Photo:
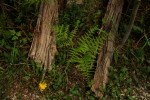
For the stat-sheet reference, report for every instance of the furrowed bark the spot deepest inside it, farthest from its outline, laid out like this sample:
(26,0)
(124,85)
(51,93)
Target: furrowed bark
(43,48)
(110,25)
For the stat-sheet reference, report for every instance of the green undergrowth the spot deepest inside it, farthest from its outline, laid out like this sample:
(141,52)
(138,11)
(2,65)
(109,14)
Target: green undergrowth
(78,42)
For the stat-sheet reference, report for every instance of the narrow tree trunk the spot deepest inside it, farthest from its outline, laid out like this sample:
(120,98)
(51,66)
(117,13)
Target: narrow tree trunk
(110,25)
(43,48)
(132,19)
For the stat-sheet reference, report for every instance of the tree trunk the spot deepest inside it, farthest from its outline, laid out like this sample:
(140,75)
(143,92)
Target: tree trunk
(62,4)
(110,25)
(132,19)
(43,48)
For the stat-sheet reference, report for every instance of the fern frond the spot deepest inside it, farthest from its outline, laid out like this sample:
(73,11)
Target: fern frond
(64,38)
(84,54)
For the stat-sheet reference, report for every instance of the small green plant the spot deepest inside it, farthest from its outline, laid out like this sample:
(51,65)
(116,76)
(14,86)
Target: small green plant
(38,70)
(120,84)
(11,41)
(58,79)
(75,90)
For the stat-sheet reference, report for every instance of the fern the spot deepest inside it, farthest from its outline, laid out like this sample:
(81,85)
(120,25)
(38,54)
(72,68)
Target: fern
(84,54)
(64,41)
(64,38)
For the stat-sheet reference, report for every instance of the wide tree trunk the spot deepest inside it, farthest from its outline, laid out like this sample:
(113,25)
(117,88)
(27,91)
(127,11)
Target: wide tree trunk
(43,48)
(110,25)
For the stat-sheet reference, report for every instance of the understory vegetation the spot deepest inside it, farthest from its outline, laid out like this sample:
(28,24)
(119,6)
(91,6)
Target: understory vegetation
(78,44)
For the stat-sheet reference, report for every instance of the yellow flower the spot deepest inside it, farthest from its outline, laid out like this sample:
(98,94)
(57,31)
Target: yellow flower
(42,86)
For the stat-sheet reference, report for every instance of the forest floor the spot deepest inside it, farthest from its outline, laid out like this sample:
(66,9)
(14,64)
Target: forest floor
(128,80)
